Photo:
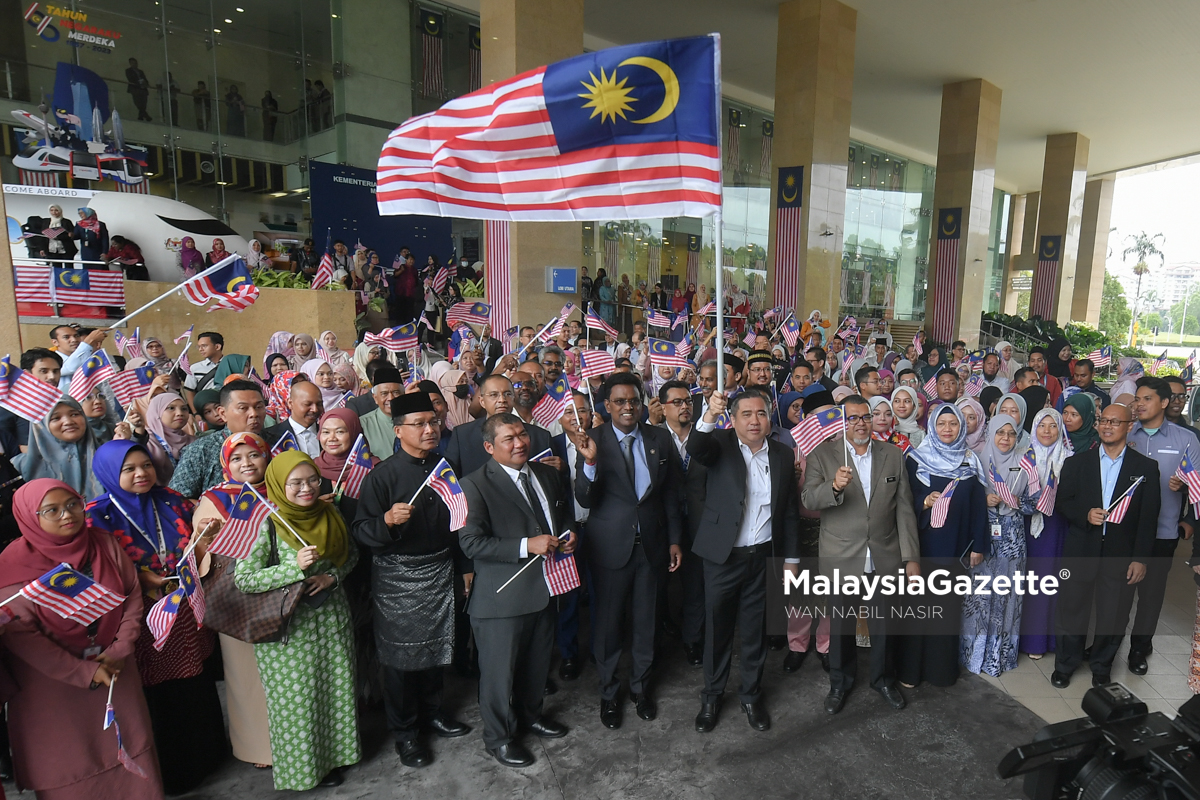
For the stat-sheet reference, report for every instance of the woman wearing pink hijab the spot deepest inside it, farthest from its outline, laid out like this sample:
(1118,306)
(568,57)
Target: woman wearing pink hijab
(167,433)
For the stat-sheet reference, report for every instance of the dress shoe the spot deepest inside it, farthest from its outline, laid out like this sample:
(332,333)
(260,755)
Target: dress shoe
(824,661)
(647,709)
(512,755)
(757,716)
(1060,680)
(413,753)
(777,642)
(610,714)
(334,778)
(695,654)
(835,701)
(706,720)
(793,660)
(1099,679)
(551,687)
(569,669)
(546,728)
(448,727)
(893,696)
(1137,663)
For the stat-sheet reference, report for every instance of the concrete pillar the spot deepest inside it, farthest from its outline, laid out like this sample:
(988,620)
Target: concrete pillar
(1060,215)
(1016,230)
(966,180)
(518,35)
(814,82)
(1093,250)
(10,332)
(371,95)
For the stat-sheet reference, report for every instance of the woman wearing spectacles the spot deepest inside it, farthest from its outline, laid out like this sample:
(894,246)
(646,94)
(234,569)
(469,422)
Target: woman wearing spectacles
(154,526)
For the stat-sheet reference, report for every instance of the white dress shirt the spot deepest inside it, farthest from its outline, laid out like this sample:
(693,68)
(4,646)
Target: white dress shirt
(516,474)
(862,465)
(581,513)
(306,438)
(756,523)
(198,371)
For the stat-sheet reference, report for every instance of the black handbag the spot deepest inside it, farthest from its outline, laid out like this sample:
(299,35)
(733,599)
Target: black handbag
(249,616)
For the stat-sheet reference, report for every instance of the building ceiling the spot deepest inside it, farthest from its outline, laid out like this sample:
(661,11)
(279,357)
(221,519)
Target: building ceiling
(1123,74)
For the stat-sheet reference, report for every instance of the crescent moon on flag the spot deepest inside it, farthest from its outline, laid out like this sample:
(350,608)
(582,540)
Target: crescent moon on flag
(670,84)
(233,284)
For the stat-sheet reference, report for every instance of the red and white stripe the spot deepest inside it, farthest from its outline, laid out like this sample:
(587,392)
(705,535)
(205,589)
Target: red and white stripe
(141,187)
(1041,302)
(764,162)
(941,506)
(787,256)
(27,397)
(84,608)
(492,154)
(560,573)
(34,177)
(692,274)
(498,273)
(945,288)
(324,272)
(432,84)
(475,64)
(596,363)
(161,617)
(33,286)
(240,300)
(1117,513)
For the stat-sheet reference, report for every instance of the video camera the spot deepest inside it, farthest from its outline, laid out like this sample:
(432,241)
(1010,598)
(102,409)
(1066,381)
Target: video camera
(1119,751)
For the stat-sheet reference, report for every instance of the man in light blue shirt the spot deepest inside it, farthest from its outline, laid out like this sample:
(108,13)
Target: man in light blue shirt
(74,350)
(1167,444)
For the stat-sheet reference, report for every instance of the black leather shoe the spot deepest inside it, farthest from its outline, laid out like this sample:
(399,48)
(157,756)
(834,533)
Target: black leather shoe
(546,728)
(414,754)
(835,701)
(706,720)
(695,654)
(610,714)
(793,660)
(1060,680)
(448,727)
(334,778)
(512,755)
(569,669)
(551,687)
(777,642)
(1099,679)
(647,709)
(824,661)
(893,697)
(1137,663)
(757,716)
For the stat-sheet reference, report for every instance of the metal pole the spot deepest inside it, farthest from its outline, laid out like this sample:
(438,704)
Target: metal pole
(1187,291)
(720,298)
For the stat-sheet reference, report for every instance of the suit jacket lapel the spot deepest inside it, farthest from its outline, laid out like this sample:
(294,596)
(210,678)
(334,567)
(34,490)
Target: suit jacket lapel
(775,459)
(610,433)
(506,486)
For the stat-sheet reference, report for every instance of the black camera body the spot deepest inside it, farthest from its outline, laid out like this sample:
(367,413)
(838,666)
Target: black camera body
(1119,751)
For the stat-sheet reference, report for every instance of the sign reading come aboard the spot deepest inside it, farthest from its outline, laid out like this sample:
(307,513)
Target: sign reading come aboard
(623,133)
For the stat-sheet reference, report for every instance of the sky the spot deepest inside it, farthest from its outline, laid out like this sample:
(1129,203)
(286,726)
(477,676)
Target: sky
(1162,201)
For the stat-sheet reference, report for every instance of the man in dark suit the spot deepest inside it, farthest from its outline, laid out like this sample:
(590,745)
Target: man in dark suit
(1105,559)
(678,406)
(515,510)
(466,451)
(750,514)
(630,476)
(306,408)
(491,350)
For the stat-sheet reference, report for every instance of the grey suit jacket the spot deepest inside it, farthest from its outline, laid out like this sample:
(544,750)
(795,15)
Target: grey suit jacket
(848,524)
(498,517)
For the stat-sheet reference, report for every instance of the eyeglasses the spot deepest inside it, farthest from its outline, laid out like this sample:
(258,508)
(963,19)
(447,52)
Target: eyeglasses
(854,419)
(679,402)
(54,512)
(314,482)
(1105,422)
(1179,396)
(621,402)
(432,424)
(498,395)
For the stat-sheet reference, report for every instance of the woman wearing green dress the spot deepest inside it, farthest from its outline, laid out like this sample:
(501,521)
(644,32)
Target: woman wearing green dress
(309,680)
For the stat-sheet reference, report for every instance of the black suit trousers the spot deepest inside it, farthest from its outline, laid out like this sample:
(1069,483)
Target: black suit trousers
(613,592)
(844,613)
(1109,590)
(1150,594)
(406,694)
(735,594)
(514,662)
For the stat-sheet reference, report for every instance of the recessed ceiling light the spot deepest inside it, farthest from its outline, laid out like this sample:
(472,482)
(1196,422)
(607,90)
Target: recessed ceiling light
(216,30)
(228,21)
(241,11)
(335,16)
(222,183)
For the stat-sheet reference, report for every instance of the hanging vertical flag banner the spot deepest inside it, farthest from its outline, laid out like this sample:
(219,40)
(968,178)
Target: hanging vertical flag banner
(474,58)
(787,235)
(612,249)
(1045,280)
(768,138)
(432,30)
(692,274)
(498,273)
(733,141)
(945,275)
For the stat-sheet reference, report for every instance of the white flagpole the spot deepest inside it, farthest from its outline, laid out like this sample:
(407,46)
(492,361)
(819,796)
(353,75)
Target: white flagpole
(179,360)
(845,438)
(718,217)
(419,488)
(275,513)
(227,260)
(353,448)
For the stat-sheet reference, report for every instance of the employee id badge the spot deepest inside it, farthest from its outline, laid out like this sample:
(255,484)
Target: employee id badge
(996,532)
(90,653)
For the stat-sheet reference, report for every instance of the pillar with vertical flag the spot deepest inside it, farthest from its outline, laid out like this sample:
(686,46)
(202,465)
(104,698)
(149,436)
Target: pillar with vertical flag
(787,235)
(432,24)
(944,281)
(692,272)
(733,140)
(768,139)
(1045,279)
(498,272)
(474,58)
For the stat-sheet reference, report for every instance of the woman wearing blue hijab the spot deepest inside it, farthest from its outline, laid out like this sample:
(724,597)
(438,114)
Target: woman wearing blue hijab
(154,525)
(943,457)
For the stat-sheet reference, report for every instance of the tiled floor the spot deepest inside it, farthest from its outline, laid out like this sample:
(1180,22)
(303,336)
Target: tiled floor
(1165,685)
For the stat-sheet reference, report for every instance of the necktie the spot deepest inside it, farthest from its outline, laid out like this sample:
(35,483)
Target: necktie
(535,504)
(627,451)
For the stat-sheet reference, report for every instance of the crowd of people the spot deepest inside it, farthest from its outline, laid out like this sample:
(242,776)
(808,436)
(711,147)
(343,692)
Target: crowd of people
(678,493)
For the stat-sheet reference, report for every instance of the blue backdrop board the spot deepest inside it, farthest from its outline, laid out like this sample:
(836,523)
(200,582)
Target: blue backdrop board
(343,198)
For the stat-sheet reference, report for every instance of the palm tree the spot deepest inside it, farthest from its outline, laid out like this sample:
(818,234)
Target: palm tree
(1143,247)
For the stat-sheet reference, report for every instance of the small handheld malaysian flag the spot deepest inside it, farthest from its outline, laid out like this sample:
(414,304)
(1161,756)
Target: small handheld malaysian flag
(1029,467)
(817,428)
(285,443)
(1002,490)
(663,354)
(916,343)
(1159,363)
(395,340)
(469,313)
(25,395)
(228,282)
(191,587)
(974,386)
(655,318)
(130,384)
(1187,473)
(186,334)
(554,403)
(443,481)
(791,331)
(596,363)
(94,371)
(941,506)
(560,572)
(1116,511)
(72,595)
(162,615)
(1045,503)
(1101,357)
(357,467)
(246,517)
(325,268)
(593,320)
(930,387)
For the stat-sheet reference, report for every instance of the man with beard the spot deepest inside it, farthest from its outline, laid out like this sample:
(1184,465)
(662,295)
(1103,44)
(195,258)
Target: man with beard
(466,452)
(991,373)
(412,579)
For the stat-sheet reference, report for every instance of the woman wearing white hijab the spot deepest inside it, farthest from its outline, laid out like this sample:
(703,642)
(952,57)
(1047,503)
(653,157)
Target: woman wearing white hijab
(910,423)
(1008,364)
(1047,530)
(992,623)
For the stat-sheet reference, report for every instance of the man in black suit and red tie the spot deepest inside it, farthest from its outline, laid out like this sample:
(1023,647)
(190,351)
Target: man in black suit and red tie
(1105,559)
(630,477)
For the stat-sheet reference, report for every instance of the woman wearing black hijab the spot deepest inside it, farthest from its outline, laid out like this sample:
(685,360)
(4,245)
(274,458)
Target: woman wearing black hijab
(988,399)
(1036,398)
(1056,365)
